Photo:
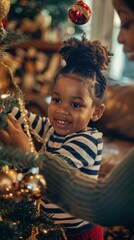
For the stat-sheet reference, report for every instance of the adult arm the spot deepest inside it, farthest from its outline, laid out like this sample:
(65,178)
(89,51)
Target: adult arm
(108,201)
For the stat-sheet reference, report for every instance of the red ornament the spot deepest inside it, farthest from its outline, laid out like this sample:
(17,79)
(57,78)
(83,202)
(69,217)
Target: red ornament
(79,13)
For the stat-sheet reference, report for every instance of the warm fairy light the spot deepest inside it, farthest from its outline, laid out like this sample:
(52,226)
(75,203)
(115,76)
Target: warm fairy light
(45,231)
(6,95)
(14,223)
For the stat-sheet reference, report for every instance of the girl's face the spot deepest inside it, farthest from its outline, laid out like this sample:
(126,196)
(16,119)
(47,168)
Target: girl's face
(71,106)
(126,35)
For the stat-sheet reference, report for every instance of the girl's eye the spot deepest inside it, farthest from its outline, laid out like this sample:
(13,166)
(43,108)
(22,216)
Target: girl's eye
(75,105)
(56,100)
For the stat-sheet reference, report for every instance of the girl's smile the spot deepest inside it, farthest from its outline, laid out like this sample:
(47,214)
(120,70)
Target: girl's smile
(71,106)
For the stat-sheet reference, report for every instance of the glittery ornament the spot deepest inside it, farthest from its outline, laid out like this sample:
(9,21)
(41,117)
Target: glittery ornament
(8,183)
(79,13)
(32,186)
(13,175)
(4,9)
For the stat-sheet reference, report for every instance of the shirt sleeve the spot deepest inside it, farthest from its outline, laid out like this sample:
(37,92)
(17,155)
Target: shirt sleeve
(39,124)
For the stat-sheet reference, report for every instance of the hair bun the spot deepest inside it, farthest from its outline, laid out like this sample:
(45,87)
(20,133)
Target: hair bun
(91,54)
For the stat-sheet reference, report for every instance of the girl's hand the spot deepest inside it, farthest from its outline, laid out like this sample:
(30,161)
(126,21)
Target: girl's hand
(14,134)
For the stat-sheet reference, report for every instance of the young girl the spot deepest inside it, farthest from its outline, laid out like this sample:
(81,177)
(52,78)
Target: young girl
(76,98)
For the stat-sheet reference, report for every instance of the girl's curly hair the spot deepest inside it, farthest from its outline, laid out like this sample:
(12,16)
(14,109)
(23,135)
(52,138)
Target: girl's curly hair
(85,52)
(87,59)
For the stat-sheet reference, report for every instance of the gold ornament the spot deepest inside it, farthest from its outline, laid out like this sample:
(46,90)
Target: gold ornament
(13,175)
(32,186)
(4,9)
(5,184)
(8,183)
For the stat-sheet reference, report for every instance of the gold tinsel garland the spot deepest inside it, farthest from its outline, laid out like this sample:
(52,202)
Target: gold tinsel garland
(22,108)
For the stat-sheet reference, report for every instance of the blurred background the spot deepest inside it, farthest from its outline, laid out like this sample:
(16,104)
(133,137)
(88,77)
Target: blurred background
(45,24)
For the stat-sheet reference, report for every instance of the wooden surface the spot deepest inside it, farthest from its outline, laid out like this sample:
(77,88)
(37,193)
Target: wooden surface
(50,46)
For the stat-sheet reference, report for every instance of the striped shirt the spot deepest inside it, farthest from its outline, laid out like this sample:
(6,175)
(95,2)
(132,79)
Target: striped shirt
(82,150)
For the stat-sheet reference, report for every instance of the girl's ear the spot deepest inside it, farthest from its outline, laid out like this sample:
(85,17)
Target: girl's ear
(98,112)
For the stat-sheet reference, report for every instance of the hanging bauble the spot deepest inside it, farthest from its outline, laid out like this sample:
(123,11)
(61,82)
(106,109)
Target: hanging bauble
(8,183)
(4,9)
(12,173)
(32,186)
(79,13)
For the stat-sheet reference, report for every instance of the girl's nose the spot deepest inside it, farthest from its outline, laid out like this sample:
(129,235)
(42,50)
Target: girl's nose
(62,111)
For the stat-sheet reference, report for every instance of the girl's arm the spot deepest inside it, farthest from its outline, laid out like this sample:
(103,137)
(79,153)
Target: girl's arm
(38,123)
(14,134)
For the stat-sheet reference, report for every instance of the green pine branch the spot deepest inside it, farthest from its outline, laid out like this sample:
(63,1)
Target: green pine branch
(19,218)
(14,157)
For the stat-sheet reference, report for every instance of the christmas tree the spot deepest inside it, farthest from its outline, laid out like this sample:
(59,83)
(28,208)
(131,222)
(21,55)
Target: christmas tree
(21,187)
